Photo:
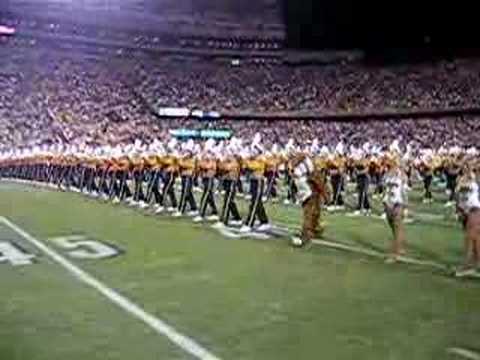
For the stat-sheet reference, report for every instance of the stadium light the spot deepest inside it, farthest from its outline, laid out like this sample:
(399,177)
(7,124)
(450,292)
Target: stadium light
(6,30)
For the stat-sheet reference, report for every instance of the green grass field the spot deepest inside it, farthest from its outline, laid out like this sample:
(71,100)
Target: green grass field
(237,298)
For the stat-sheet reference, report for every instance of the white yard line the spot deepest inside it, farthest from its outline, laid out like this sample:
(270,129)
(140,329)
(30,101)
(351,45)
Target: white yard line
(184,342)
(464,353)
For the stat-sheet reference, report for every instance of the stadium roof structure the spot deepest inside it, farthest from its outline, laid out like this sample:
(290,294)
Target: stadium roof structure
(149,13)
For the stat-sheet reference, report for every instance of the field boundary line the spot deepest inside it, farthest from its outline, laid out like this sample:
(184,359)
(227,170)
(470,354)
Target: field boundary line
(162,328)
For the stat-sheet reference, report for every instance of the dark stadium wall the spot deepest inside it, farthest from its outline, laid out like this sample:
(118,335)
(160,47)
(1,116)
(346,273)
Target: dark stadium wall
(408,29)
(317,24)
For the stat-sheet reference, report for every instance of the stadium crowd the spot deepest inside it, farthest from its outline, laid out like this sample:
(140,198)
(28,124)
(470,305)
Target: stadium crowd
(325,90)
(52,96)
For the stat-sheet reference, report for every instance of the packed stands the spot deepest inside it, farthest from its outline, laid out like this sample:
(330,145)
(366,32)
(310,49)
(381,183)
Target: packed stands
(54,96)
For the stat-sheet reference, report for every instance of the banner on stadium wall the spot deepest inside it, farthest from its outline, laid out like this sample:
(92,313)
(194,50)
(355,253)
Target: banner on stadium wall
(173,112)
(205,114)
(216,134)
(185,133)
(201,134)
(184,112)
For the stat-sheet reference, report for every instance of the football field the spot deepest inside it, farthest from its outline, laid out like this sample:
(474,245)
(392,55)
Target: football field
(85,279)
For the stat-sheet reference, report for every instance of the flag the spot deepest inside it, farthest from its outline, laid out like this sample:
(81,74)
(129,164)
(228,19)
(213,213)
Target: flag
(6,30)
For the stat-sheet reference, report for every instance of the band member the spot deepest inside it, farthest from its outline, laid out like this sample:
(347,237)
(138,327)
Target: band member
(89,169)
(452,169)
(395,202)
(125,165)
(313,194)
(118,173)
(187,166)
(207,166)
(273,161)
(256,165)
(361,166)
(426,168)
(229,167)
(103,170)
(171,168)
(137,169)
(63,171)
(336,169)
(468,209)
(376,171)
(155,165)
(292,189)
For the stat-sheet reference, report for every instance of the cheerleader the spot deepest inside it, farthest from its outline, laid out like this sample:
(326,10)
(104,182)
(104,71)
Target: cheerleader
(468,209)
(395,204)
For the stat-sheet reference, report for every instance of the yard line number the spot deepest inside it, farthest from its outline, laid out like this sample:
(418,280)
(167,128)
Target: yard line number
(14,254)
(75,246)
(78,247)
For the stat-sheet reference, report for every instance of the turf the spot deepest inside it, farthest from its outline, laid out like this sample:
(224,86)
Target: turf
(241,299)
(45,314)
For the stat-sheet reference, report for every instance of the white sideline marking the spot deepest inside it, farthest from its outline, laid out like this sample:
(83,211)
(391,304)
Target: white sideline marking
(339,246)
(466,354)
(412,261)
(182,341)
(374,253)
(402,259)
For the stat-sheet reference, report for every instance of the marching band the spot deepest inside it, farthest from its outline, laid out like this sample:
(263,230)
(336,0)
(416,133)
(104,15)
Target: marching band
(314,176)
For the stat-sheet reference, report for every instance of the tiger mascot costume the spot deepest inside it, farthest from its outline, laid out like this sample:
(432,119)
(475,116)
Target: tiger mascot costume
(313,193)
